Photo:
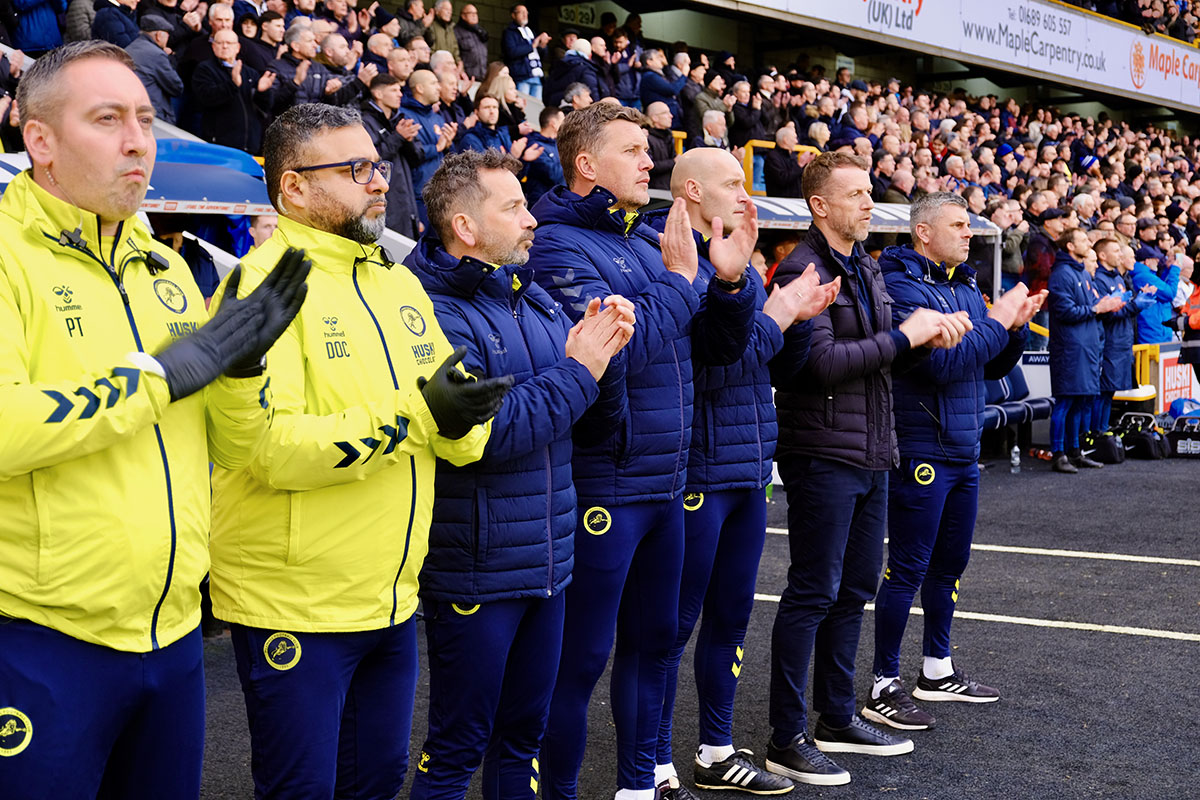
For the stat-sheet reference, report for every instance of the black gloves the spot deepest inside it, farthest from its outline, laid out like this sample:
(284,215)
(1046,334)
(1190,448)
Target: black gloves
(235,340)
(458,402)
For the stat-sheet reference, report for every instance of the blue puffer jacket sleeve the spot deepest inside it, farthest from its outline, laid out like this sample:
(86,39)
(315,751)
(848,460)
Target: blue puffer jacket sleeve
(1149,325)
(721,329)
(905,279)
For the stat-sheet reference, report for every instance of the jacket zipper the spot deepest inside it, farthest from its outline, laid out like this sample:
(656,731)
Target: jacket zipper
(512,307)
(162,448)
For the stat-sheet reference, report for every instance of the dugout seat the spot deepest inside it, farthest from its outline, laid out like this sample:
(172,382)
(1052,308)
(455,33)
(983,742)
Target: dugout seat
(1008,403)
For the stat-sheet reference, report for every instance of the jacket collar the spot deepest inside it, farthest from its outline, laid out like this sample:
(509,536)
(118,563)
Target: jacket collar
(46,217)
(470,277)
(817,241)
(328,251)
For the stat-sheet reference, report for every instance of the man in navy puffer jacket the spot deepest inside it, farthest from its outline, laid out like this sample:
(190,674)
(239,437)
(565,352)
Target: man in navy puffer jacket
(501,543)
(729,466)
(591,243)
(934,494)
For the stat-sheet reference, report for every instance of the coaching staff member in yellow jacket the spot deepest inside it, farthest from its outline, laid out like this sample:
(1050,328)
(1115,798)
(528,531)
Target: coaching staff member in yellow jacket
(111,406)
(317,545)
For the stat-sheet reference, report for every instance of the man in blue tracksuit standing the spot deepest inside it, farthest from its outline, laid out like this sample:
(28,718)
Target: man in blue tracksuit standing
(1165,280)
(933,495)
(1115,263)
(729,466)
(1076,345)
(629,551)
(501,542)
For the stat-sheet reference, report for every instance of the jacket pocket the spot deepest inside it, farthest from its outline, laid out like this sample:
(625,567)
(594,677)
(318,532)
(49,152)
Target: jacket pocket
(622,439)
(295,501)
(710,430)
(43,560)
(829,412)
(479,524)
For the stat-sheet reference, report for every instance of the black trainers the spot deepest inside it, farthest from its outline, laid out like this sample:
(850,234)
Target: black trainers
(739,774)
(859,737)
(896,709)
(1062,463)
(672,789)
(1082,461)
(804,763)
(956,687)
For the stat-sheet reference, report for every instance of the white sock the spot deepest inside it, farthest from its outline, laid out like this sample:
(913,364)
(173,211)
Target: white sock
(935,668)
(635,794)
(664,772)
(881,683)
(712,753)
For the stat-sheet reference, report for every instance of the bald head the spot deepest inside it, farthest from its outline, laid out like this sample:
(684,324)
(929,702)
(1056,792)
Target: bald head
(712,183)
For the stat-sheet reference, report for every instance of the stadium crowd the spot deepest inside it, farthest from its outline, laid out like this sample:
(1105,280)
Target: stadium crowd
(554,426)
(1179,19)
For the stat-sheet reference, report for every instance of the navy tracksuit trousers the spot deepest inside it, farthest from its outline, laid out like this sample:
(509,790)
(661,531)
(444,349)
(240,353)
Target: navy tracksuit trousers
(1067,418)
(836,519)
(491,676)
(626,581)
(78,720)
(931,520)
(724,537)
(330,713)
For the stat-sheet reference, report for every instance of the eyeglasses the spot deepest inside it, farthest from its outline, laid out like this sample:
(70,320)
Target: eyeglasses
(362,170)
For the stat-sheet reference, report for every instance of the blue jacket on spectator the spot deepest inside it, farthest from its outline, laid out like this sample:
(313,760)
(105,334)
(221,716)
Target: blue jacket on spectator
(429,159)
(938,404)
(515,49)
(114,23)
(544,172)
(481,138)
(37,25)
(627,81)
(153,66)
(656,88)
(584,250)
(1150,328)
(1076,332)
(573,68)
(734,427)
(504,526)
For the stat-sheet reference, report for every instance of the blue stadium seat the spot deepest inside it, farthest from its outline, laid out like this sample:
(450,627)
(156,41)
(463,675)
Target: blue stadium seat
(1007,403)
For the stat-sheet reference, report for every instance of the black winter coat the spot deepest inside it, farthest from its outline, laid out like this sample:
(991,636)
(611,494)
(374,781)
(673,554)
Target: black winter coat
(838,405)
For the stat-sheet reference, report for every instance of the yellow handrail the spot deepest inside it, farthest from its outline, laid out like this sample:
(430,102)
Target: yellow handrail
(748,160)
(1143,356)
(1039,329)
(679,137)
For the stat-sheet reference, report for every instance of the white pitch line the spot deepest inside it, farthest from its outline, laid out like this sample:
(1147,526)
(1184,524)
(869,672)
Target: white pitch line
(1043,551)
(1043,623)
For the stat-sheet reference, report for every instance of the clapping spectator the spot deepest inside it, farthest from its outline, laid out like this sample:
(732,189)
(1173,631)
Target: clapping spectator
(472,42)
(656,87)
(524,53)
(575,67)
(393,137)
(436,136)
(233,98)
(782,172)
(261,51)
(115,21)
(545,171)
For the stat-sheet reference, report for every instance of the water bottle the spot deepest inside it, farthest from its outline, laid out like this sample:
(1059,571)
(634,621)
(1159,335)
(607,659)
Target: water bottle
(1014,460)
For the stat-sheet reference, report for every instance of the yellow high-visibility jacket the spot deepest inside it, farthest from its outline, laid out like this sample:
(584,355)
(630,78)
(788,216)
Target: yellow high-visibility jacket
(104,492)
(327,528)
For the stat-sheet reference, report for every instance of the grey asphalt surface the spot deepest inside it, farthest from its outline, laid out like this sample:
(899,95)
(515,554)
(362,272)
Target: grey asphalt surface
(1084,714)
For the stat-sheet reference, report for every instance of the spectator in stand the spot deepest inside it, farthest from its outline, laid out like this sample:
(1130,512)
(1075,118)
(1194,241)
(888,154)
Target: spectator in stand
(749,123)
(37,26)
(443,63)
(711,99)
(77,25)
(413,20)
(524,52)
(1076,348)
(1040,254)
(472,42)
(512,104)
(485,134)
(575,67)
(662,144)
(115,21)
(687,95)
(262,226)
(456,107)
(883,166)
(233,99)
(302,80)
(578,96)
(436,136)
(545,171)
(419,48)
(379,47)
(714,132)
(153,66)
(259,52)
(400,64)
(186,18)
(656,87)
(606,74)
(1006,215)
(626,65)
(440,33)
(393,137)
(782,172)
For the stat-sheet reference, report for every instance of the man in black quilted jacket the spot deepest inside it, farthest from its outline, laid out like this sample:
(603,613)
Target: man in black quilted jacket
(836,446)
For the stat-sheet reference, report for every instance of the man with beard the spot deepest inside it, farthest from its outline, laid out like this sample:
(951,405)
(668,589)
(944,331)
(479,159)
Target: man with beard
(836,446)
(117,391)
(318,542)
(494,603)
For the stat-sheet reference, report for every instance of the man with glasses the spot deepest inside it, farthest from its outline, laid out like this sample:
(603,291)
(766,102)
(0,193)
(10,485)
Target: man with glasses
(1126,225)
(317,544)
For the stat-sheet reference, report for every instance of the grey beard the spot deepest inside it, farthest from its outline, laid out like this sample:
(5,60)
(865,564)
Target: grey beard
(360,229)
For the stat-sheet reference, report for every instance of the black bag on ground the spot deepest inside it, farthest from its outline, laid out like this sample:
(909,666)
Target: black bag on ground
(1140,434)
(1184,439)
(1108,449)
